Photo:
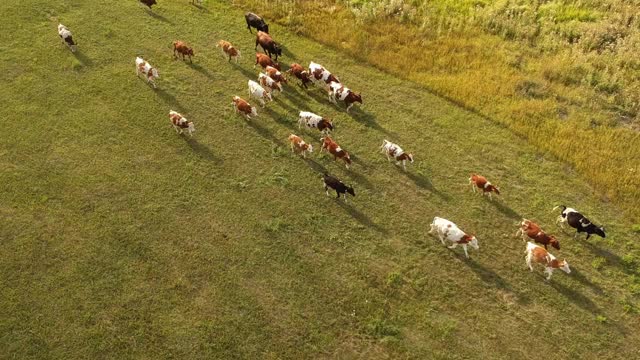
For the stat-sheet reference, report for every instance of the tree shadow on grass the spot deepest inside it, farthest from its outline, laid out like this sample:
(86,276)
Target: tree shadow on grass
(82,58)
(359,216)
(202,150)
(423,182)
(158,16)
(202,70)
(612,258)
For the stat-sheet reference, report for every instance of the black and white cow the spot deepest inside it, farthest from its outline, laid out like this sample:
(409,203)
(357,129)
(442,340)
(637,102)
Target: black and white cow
(578,222)
(337,185)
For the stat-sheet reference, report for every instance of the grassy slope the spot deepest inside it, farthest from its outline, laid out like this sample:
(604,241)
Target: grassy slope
(119,237)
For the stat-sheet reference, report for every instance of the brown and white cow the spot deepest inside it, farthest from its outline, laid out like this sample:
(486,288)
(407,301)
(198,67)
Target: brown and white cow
(180,123)
(242,106)
(539,255)
(228,50)
(480,182)
(300,73)
(312,120)
(275,74)
(269,84)
(395,151)
(147,70)
(446,230)
(321,76)
(258,92)
(528,228)
(264,60)
(334,149)
(67,37)
(338,91)
(298,145)
(181,48)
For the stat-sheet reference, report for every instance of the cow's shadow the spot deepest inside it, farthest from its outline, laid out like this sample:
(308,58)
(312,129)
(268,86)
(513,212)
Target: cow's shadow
(573,295)
(202,70)
(421,182)
(200,7)
(577,275)
(315,166)
(82,58)
(202,150)
(158,16)
(358,215)
(360,179)
(253,75)
(506,210)
(286,52)
(264,132)
(169,99)
(612,258)
(367,119)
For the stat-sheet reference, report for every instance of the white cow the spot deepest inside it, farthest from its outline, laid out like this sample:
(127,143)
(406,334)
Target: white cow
(446,230)
(395,151)
(149,71)
(268,83)
(258,92)
(312,120)
(538,254)
(67,37)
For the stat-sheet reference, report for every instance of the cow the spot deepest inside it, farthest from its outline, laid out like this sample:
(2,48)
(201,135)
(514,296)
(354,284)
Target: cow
(267,44)
(334,149)
(149,3)
(264,61)
(242,106)
(146,69)
(228,50)
(300,73)
(181,48)
(337,185)
(312,120)
(268,83)
(578,222)
(298,145)
(337,91)
(179,123)
(258,92)
(275,74)
(446,230)
(537,254)
(478,181)
(321,76)
(67,37)
(395,151)
(257,22)
(528,228)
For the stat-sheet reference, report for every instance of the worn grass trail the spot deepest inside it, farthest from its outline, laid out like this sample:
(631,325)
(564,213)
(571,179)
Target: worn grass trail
(120,238)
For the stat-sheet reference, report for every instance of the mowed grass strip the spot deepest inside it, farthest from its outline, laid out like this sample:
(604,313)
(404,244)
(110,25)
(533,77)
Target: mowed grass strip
(122,239)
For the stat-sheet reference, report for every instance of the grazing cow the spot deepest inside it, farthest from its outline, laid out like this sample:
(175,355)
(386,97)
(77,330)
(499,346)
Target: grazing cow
(258,92)
(275,74)
(67,37)
(257,22)
(149,3)
(338,91)
(478,181)
(182,49)
(146,69)
(298,145)
(242,106)
(269,84)
(578,222)
(537,254)
(312,120)
(334,149)
(338,186)
(528,228)
(300,73)
(228,50)
(321,76)
(395,151)
(267,44)
(264,61)
(179,123)
(446,230)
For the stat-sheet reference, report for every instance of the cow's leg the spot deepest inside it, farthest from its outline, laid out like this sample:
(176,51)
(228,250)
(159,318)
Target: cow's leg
(176,129)
(453,246)
(528,260)
(349,107)
(347,165)
(490,198)
(304,154)
(337,194)
(518,232)
(404,165)
(464,246)
(548,271)
(588,236)
(256,47)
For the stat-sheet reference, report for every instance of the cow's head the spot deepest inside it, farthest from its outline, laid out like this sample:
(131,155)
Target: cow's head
(154,73)
(268,95)
(192,128)
(190,52)
(564,266)
(474,242)
(328,124)
(277,49)
(347,158)
(554,242)
(410,156)
(600,231)
(264,27)
(494,189)
(356,97)
(351,191)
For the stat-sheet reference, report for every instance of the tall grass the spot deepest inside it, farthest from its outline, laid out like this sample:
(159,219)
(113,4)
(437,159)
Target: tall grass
(562,74)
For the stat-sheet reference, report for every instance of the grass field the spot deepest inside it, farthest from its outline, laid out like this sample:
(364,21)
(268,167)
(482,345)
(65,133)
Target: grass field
(121,239)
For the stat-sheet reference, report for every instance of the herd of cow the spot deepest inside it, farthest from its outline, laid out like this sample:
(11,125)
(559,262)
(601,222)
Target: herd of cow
(270,82)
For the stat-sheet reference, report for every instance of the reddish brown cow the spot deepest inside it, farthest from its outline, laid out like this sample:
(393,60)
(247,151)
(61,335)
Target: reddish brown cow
(267,44)
(275,74)
(480,182)
(300,73)
(228,50)
(242,106)
(265,61)
(335,150)
(182,48)
(532,230)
